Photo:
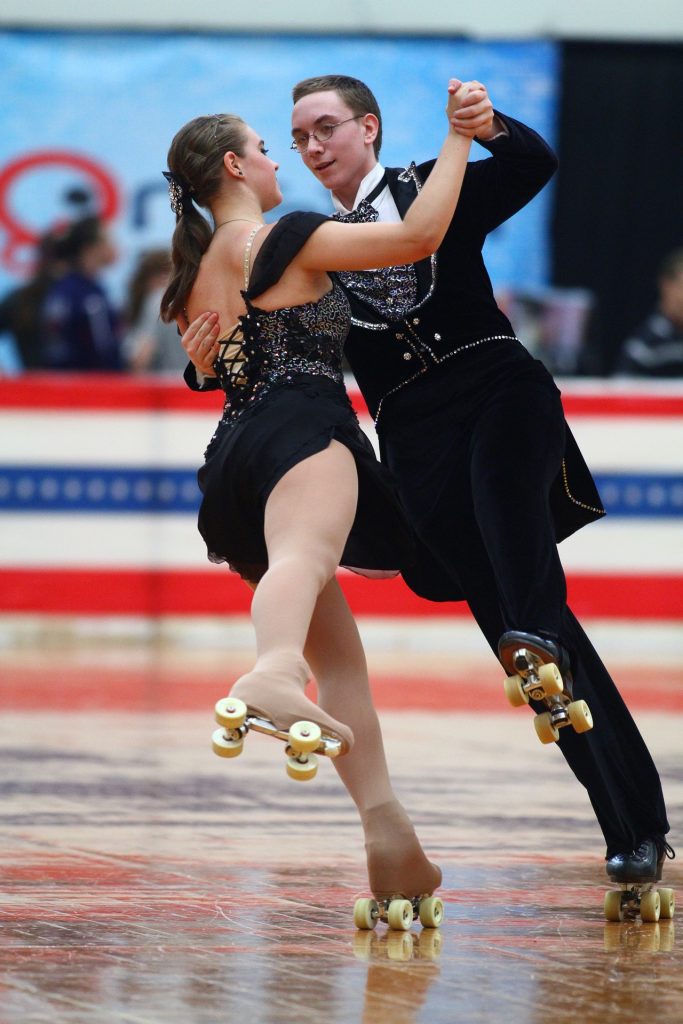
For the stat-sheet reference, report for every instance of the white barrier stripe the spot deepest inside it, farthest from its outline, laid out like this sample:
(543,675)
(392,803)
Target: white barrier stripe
(139,540)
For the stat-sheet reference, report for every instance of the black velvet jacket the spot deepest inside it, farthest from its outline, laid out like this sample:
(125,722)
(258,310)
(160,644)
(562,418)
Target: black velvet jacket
(455,303)
(455,309)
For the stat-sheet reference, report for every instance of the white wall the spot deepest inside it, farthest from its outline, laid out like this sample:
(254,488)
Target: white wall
(660,20)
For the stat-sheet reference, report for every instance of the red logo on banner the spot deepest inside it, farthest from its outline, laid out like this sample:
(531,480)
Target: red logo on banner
(19,234)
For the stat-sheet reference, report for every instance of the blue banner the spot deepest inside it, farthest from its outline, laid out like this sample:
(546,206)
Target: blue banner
(100,109)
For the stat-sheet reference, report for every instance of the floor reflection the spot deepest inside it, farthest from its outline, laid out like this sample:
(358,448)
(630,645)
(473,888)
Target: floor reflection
(146,881)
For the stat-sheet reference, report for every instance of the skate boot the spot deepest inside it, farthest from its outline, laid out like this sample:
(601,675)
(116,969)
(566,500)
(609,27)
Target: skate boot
(271,700)
(539,670)
(637,871)
(402,880)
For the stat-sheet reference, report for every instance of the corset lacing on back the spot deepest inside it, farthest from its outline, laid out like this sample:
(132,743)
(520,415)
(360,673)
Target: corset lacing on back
(269,348)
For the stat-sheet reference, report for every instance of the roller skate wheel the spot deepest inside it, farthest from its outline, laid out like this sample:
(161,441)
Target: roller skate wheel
(365,914)
(230,712)
(667,901)
(400,915)
(514,691)
(304,737)
(650,906)
(580,716)
(545,730)
(302,771)
(399,946)
(431,912)
(551,679)
(224,746)
(613,908)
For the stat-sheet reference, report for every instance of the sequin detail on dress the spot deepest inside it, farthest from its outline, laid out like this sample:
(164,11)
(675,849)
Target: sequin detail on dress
(272,347)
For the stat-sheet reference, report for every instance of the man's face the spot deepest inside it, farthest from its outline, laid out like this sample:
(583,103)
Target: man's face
(341,162)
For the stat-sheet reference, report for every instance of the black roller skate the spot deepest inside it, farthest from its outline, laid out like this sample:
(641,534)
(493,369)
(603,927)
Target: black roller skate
(539,670)
(637,872)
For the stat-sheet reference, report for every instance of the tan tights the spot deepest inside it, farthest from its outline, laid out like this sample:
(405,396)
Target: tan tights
(298,609)
(396,861)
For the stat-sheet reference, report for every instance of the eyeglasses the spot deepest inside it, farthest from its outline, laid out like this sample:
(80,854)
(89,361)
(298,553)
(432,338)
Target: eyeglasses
(321,134)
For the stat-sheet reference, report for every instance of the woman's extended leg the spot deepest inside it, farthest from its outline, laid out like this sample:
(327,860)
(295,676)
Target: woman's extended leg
(396,861)
(308,518)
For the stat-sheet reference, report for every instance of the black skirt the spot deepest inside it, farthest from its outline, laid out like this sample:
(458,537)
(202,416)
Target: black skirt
(248,456)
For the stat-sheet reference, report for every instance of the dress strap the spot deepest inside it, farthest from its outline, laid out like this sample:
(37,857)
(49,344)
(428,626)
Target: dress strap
(246,260)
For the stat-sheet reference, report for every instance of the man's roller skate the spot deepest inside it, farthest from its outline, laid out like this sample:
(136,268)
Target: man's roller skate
(402,880)
(637,873)
(271,700)
(539,670)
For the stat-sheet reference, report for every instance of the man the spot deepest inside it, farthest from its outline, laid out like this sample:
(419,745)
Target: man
(655,349)
(474,432)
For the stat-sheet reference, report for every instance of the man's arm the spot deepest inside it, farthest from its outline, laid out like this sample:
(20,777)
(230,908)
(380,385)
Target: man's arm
(521,163)
(196,381)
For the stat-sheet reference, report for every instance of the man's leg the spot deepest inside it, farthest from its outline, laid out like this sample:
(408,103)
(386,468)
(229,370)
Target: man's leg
(511,509)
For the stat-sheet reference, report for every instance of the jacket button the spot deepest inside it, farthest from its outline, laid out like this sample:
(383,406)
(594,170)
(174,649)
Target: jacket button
(437,337)
(416,320)
(407,355)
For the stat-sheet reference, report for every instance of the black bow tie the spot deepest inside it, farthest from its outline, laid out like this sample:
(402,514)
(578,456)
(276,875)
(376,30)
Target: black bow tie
(365,213)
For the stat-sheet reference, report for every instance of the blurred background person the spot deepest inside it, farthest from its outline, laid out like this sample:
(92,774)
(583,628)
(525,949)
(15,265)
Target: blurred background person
(81,327)
(21,308)
(149,343)
(655,349)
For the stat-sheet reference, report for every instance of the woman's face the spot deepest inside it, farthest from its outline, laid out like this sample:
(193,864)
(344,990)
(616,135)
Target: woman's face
(260,171)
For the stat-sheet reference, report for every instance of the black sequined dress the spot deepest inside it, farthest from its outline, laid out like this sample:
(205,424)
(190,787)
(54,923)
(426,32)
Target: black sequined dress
(285,401)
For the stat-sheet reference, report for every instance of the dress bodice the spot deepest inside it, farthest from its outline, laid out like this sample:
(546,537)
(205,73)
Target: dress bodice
(268,348)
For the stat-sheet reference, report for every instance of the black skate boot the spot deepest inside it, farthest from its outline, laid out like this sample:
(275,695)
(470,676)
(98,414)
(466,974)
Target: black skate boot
(539,670)
(637,871)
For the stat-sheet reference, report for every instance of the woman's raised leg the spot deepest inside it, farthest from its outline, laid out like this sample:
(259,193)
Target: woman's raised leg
(308,518)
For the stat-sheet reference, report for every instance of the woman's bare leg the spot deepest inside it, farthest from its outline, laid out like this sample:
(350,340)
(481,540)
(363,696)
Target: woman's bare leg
(396,861)
(308,518)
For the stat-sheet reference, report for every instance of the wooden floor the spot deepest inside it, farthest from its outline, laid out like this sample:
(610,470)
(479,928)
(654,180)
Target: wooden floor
(146,881)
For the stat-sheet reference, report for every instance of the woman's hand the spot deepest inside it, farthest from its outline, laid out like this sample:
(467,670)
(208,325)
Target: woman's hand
(200,341)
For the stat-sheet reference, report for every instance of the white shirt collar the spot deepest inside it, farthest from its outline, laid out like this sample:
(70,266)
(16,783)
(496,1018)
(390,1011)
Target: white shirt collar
(364,189)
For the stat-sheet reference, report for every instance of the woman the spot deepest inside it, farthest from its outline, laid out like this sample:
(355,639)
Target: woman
(291,488)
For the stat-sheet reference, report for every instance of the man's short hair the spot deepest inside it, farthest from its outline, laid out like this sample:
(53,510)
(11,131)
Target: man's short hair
(672,265)
(356,94)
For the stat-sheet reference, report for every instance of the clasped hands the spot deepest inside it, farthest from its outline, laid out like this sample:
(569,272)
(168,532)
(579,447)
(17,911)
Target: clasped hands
(470,110)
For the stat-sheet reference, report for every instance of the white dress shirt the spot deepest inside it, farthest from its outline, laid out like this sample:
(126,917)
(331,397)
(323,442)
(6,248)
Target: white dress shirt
(383,203)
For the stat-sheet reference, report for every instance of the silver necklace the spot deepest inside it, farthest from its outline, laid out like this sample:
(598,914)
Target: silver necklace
(236,220)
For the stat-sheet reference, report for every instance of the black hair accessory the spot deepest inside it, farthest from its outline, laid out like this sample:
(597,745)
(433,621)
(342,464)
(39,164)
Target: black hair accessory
(180,194)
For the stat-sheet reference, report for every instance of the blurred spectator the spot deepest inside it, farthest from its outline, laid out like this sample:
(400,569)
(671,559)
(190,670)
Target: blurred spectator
(554,322)
(151,344)
(21,308)
(656,348)
(82,330)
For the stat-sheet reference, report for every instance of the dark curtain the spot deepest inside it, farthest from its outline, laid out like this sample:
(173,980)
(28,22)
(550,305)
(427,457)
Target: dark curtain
(619,190)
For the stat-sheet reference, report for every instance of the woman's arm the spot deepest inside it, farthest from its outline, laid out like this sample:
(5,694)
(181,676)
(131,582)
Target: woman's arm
(338,246)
